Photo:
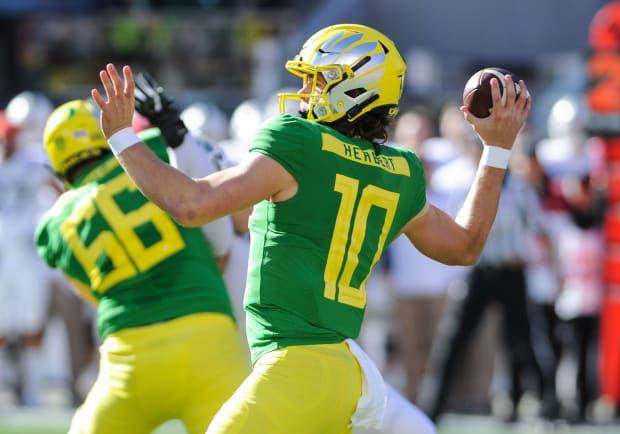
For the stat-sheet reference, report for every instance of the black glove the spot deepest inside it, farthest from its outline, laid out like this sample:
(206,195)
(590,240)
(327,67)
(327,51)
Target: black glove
(158,108)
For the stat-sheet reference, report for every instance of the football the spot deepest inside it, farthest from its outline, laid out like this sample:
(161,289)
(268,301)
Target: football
(477,91)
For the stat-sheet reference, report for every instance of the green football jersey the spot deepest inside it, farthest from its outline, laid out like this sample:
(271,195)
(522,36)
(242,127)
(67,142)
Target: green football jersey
(311,255)
(140,265)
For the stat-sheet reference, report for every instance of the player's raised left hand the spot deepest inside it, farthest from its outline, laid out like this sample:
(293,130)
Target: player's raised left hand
(117,111)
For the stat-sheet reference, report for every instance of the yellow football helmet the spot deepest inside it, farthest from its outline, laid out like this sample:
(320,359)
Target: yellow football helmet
(362,67)
(72,135)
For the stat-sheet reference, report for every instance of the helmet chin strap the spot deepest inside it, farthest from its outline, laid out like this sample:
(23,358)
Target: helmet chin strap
(356,109)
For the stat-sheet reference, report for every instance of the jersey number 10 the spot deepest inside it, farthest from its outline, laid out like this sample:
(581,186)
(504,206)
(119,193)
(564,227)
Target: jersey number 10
(342,262)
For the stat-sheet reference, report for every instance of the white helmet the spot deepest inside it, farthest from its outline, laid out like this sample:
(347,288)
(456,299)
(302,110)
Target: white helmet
(564,148)
(245,120)
(206,120)
(27,112)
(567,118)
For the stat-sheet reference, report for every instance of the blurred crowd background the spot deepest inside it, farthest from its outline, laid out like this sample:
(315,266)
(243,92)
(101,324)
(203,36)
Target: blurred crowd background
(515,336)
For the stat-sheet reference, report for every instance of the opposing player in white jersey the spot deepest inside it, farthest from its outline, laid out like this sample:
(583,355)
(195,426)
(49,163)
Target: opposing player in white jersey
(26,190)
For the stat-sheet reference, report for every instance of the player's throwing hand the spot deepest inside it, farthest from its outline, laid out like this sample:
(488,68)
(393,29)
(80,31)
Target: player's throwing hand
(117,111)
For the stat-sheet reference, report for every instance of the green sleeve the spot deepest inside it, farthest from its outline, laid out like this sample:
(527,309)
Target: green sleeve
(285,139)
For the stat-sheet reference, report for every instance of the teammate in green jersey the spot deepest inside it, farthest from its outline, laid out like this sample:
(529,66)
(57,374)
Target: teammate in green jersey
(170,347)
(328,200)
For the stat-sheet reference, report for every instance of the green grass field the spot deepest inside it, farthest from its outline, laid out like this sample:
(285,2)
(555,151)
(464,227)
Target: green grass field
(56,421)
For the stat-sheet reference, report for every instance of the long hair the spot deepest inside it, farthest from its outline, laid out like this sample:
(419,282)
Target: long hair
(372,126)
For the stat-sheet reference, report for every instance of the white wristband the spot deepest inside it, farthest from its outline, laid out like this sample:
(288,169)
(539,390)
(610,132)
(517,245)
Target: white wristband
(122,139)
(495,156)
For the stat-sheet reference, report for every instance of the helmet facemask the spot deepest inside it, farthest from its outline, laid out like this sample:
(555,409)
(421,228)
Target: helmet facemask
(319,105)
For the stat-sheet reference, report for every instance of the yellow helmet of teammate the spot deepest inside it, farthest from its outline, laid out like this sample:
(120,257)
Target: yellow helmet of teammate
(72,136)
(362,68)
